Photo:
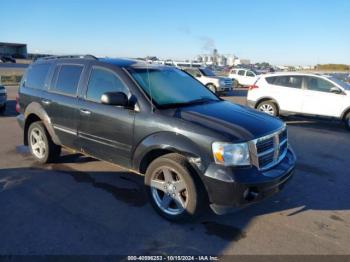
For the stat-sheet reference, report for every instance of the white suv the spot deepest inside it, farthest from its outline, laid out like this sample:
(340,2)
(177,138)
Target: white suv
(217,84)
(298,93)
(244,77)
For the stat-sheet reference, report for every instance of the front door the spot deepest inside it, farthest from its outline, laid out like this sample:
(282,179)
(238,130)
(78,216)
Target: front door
(106,131)
(318,98)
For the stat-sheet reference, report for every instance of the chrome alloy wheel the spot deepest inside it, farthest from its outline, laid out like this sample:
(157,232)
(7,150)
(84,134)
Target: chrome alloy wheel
(267,108)
(37,143)
(169,191)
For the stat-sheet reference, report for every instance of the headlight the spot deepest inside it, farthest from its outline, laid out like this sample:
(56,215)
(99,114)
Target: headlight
(231,154)
(222,82)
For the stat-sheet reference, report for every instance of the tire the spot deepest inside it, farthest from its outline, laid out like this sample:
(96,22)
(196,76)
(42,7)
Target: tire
(212,88)
(3,109)
(173,190)
(40,144)
(268,107)
(347,121)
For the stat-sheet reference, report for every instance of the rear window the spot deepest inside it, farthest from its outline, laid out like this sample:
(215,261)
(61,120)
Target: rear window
(67,79)
(36,76)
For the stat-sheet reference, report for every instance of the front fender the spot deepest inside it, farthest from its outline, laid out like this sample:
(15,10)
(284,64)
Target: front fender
(169,141)
(37,109)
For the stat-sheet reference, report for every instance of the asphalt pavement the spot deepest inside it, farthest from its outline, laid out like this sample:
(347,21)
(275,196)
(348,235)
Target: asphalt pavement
(80,205)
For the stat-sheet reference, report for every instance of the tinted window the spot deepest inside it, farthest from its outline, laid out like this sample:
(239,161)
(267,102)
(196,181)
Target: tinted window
(241,72)
(36,76)
(193,72)
(287,81)
(318,84)
(102,81)
(68,79)
(170,86)
(250,73)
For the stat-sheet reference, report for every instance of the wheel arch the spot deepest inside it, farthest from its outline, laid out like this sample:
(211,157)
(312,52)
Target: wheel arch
(345,112)
(163,143)
(33,113)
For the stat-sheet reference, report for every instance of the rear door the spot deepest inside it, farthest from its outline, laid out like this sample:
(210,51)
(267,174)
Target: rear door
(240,76)
(62,102)
(287,91)
(106,131)
(318,98)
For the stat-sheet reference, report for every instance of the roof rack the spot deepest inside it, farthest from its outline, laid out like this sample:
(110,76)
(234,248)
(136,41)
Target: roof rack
(68,56)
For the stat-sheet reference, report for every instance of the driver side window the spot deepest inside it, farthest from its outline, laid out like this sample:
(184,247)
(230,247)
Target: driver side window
(102,81)
(318,84)
(250,74)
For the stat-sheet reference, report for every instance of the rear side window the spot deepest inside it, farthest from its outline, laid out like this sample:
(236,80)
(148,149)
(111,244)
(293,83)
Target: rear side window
(36,76)
(241,72)
(102,81)
(67,79)
(286,81)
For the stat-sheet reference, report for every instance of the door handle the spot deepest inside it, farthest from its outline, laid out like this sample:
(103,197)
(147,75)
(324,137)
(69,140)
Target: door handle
(85,112)
(46,102)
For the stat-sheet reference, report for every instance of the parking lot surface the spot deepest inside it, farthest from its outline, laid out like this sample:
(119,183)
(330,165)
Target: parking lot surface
(84,206)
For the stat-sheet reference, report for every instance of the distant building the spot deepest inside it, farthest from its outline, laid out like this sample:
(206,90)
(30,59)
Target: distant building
(221,60)
(13,49)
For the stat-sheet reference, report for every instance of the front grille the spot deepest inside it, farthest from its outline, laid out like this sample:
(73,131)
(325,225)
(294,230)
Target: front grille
(228,82)
(270,150)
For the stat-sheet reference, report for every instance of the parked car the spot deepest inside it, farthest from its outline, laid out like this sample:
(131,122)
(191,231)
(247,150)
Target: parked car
(193,148)
(216,84)
(7,59)
(298,93)
(3,98)
(244,77)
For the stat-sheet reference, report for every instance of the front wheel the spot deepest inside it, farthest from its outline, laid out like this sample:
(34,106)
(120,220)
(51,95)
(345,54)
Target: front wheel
(40,144)
(268,107)
(173,190)
(3,109)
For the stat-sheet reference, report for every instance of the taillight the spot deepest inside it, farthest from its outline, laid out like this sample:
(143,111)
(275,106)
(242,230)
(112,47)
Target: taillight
(253,87)
(17,104)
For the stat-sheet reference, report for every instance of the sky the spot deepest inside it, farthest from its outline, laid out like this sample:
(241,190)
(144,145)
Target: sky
(293,32)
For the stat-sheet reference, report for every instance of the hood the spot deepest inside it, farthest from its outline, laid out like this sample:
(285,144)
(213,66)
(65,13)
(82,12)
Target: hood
(237,123)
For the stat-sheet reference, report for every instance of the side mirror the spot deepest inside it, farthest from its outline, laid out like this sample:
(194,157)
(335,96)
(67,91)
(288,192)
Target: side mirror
(114,99)
(336,90)
(198,75)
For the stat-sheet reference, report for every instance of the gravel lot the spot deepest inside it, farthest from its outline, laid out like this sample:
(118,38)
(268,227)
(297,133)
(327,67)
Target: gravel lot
(84,206)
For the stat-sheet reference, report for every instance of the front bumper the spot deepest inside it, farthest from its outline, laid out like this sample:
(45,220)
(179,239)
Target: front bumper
(231,187)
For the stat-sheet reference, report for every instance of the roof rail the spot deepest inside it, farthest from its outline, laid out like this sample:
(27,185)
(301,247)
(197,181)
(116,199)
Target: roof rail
(68,56)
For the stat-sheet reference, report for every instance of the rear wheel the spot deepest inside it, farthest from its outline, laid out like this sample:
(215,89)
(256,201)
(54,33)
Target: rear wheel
(212,88)
(347,120)
(173,190)
(268,107)
(41,145)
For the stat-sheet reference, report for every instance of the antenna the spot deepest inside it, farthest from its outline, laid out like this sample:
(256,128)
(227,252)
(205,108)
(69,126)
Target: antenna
(150,89)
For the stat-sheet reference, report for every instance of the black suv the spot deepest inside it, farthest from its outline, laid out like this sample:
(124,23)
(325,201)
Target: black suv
(193,148)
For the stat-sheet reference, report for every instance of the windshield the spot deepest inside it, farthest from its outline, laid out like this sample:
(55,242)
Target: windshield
(343,84)
(171,87)
(207,72)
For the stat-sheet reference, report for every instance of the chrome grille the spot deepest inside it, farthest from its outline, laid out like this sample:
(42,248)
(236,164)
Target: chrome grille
(228,82)
(269,150)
